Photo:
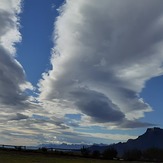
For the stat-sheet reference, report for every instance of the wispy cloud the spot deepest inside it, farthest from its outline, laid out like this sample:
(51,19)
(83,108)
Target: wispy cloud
(101,59)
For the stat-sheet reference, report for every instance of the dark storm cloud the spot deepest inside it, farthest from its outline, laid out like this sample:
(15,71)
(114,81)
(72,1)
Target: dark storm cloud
(97,106)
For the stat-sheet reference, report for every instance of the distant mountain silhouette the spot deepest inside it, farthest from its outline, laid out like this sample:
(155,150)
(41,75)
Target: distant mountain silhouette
(64,146)
(153,137)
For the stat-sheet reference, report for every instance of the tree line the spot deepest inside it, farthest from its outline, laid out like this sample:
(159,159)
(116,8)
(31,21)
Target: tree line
(151,154)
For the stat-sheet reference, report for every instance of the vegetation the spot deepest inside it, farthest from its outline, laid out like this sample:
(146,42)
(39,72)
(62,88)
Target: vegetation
(51,155)
(34,157)
(85,151)
(153,154)
(43,149)
(110,153)
(96,154)
(132,155)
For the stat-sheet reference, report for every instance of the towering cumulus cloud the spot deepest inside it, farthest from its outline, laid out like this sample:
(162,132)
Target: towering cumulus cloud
(12,76)
(104,53)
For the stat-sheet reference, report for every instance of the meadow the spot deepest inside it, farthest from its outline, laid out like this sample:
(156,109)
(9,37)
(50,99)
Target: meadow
(21,157)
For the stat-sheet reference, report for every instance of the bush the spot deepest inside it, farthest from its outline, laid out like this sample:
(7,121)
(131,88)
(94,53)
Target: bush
(132,155)
(43,149)
(110,153)
(153,154)
(85,151)
(96,154)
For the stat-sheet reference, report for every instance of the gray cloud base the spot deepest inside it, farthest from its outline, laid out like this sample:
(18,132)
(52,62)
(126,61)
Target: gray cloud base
(11,77)
(97,106)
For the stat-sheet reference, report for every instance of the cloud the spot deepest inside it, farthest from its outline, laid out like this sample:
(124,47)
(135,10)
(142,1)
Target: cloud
(102,56)
(19,116)
(14,102)
(100,63)
(9,22)
(97,106)
(135,124)
(12,76)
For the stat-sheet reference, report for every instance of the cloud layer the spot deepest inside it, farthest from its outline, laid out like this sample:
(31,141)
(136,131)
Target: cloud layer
(103,55)
(104,52)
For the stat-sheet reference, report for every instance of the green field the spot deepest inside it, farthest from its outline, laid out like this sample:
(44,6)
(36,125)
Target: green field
(20,157)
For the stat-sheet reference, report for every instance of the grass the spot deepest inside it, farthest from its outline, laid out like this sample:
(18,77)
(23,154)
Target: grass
(21,157)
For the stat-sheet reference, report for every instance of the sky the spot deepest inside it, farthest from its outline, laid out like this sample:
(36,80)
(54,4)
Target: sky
(79,71)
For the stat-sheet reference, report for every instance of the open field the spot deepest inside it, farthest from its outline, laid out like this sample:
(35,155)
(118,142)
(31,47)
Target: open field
(21,157)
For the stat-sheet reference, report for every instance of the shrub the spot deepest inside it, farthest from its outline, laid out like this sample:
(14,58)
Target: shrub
(110,153)
(132,155)
(96,154)
(85,151)
(155,154)
(43,149)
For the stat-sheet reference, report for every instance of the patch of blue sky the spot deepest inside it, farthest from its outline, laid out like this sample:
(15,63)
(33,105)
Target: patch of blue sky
(37,25)
(153,95)
(32,93)
(39,117)
(73,116)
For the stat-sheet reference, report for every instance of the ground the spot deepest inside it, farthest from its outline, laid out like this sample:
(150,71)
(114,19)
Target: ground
(32,157)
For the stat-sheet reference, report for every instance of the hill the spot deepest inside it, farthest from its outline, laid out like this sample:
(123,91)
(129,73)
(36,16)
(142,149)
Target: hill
(153,137)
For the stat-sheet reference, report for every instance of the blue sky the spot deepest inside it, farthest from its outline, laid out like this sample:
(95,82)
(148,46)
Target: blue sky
(152,94)
(37,21)
(80,73)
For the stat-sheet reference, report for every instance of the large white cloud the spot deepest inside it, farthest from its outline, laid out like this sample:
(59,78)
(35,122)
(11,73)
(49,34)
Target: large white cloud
(104,53)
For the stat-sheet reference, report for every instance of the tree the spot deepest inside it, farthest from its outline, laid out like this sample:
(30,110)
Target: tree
(110,153)
(153,154)
(19,148)
(96,154)
(132,155)
(44,149)
(85,151)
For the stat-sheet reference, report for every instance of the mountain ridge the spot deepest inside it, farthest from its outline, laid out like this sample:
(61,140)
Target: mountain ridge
(152,138)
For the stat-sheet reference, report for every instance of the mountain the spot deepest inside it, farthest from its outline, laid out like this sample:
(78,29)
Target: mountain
(64,146)
(153,137)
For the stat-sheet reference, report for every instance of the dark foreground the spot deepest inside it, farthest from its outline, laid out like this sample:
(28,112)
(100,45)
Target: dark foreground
(34,157)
